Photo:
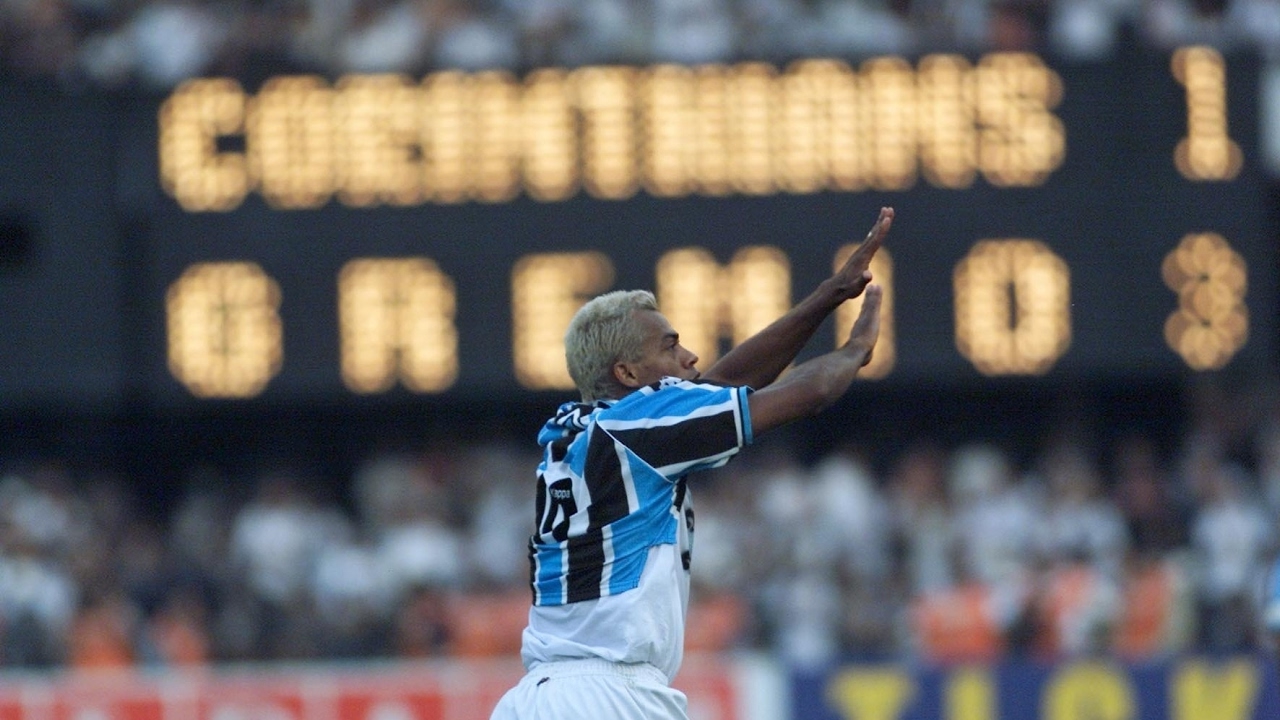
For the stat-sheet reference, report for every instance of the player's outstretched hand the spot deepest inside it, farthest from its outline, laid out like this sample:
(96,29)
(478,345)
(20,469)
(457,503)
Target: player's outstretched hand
(852,279)
(866,329)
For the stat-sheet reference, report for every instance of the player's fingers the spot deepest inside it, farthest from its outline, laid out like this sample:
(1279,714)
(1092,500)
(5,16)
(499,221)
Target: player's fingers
(883,222)
(875,238)
(871,303)
(881,227)
(869,318)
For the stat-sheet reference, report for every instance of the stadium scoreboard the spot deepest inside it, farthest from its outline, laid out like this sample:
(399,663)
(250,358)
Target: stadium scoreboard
(375,234)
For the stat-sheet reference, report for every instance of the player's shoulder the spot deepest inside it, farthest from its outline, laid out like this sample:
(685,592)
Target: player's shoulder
(670,396)
(698,384)
(669,388)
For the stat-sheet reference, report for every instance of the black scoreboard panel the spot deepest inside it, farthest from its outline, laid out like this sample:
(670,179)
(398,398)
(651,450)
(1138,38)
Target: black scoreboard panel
(326,241)
(60,294)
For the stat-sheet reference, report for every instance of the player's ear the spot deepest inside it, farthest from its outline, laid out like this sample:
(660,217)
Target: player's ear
(625,375)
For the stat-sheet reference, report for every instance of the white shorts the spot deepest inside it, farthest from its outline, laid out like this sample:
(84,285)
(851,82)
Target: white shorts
(592,690)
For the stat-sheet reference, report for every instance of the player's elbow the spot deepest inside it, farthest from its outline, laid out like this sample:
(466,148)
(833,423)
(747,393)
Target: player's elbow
(821,390)
(830,376)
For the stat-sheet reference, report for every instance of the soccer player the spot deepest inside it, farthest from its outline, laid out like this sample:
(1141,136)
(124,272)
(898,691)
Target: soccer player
(611,549)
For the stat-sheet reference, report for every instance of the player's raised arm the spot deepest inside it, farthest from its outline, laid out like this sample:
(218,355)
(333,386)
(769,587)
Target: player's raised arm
(818,383)
(760,359)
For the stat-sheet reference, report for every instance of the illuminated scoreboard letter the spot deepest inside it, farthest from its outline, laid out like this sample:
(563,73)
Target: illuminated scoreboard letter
(1207,152)
(395,318)
(1012,307)
(947,121)
(1019,141)
(606,99)
(803,134)
(1212,321)
(496,123)
(550,149)
(801,131)
(192,170)
(471,136)
(687,284)
(291,142)
(886,350)
(225,337)
(710,131)
(888,109)
(377,152)
(839,126)
(751,128)
(706,301)
(447,136)
(759,289)
(546,290)
(666,130)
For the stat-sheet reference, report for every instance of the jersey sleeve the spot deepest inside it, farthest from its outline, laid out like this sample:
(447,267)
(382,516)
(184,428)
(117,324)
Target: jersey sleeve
(681,426)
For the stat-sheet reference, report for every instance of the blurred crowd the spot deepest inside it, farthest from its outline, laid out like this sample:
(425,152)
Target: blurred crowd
(936,553)
(155,44)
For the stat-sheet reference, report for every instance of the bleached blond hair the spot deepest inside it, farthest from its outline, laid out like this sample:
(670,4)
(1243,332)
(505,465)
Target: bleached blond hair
(603,332)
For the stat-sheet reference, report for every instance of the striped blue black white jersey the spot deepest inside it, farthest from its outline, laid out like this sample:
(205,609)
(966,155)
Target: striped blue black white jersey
(611,550)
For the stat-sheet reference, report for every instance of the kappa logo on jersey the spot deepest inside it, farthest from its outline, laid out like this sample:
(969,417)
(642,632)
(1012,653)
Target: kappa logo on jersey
(562,507)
